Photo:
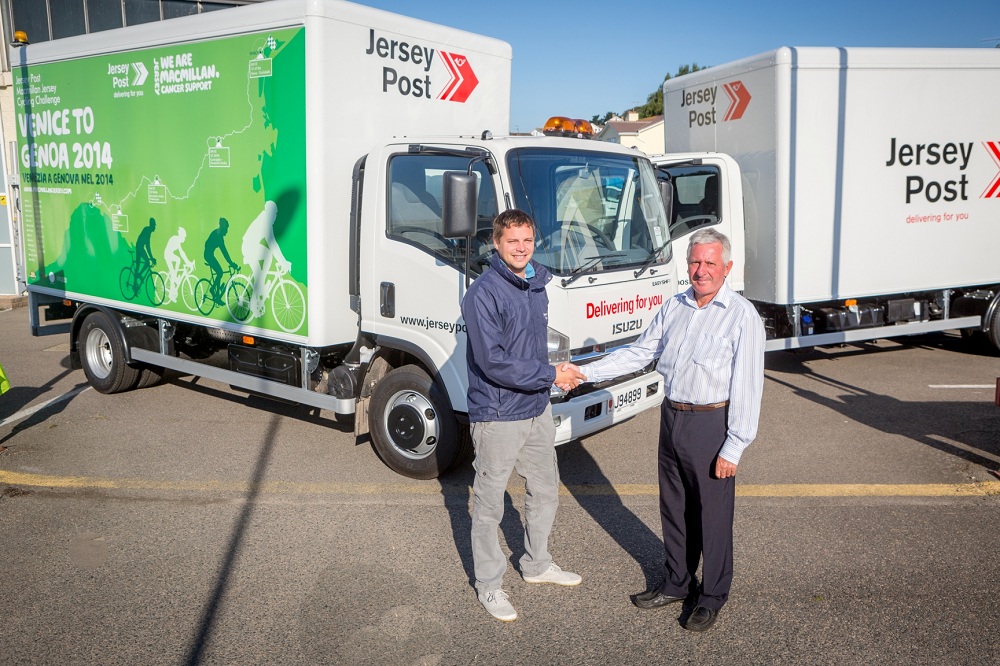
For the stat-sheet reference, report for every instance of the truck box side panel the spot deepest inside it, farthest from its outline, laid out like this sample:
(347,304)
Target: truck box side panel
(920,162)
(889,152)
(256,115)
(695,112)
(177,153)
(364,91)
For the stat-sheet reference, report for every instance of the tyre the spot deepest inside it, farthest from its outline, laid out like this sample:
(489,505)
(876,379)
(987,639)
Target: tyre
(126,283)
(203,296)
(102,355)
(187,292)
(288,306)
(238,298)
(975,340)
(149,375)
(156,289)
(413,428)
(994,332)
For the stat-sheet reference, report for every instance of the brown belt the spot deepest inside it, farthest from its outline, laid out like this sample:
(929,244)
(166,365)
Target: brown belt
(685,407)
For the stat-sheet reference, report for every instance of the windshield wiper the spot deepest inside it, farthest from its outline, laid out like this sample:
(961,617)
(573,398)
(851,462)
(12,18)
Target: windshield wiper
(591,261)
(652,258)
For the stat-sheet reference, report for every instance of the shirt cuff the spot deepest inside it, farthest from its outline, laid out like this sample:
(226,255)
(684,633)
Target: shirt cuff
(731,451)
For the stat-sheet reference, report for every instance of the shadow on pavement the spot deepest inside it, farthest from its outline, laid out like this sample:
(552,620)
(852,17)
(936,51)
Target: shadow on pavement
(229,558)
(592,490)
(19,397)
(456,491)
(596,494)
(966,430)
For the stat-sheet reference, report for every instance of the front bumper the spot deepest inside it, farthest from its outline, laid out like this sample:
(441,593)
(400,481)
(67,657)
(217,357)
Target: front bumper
(603,407)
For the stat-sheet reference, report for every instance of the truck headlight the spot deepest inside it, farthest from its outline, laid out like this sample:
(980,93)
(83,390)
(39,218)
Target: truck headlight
(558,347)
(558,353)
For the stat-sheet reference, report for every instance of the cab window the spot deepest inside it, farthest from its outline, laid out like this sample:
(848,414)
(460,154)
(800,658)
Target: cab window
(415,197)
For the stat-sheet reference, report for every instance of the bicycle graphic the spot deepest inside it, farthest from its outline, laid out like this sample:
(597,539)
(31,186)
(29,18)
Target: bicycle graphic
(288,305)
(181,284)
(137,277)
(207,295)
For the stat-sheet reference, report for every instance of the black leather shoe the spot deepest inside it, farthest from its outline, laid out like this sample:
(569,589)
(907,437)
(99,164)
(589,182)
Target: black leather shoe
(655,599)
(701,619)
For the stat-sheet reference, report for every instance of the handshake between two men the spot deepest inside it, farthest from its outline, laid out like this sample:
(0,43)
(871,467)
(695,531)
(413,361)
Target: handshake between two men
(568,376)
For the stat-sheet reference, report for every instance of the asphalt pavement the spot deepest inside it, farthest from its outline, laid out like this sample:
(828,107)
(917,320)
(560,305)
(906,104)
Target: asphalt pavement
(188,523)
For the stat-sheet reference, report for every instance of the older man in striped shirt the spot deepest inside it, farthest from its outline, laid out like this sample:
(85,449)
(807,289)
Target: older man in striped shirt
(710,345)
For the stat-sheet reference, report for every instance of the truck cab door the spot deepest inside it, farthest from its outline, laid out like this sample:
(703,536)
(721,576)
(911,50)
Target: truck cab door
(417,278)
(704,198)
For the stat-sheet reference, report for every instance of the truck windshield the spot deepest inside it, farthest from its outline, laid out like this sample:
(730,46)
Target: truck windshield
(594,211)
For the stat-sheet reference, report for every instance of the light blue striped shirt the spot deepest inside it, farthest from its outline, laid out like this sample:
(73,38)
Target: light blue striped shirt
(707,355)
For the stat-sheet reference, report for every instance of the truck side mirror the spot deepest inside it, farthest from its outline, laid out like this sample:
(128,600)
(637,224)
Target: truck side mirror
(667,195)
(458,212)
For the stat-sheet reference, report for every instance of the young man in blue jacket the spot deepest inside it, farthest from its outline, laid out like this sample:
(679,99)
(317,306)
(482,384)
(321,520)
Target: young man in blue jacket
(506,315)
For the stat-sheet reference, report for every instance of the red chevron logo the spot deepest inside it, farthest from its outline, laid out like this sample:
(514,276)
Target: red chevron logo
(993,191)
(739,99)
(463,79)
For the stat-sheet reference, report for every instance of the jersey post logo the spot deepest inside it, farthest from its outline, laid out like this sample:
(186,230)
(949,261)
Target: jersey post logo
(412,66)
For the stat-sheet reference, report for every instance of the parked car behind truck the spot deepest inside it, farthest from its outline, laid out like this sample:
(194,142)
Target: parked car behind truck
(860,187)
(313,161)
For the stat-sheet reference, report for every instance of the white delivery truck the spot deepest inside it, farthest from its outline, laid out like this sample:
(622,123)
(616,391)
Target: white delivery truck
(292,198)
(860,187)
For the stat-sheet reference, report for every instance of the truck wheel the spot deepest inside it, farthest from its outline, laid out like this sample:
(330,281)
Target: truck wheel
(103,356)
(413,429)
(995,329)
(150,375)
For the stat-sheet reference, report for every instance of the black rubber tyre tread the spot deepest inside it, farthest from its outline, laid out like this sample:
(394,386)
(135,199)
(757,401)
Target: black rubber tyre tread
(149,376)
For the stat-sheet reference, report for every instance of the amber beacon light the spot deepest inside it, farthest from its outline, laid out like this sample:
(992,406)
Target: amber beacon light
(563,126)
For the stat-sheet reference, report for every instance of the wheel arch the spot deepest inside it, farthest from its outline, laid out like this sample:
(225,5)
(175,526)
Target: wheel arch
(398,352)
(392,353)
(141,336)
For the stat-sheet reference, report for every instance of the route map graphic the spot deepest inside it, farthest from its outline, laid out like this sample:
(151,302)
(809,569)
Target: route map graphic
(185,135)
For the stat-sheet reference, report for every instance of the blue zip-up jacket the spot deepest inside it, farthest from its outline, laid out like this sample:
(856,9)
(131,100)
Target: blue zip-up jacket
(507,318)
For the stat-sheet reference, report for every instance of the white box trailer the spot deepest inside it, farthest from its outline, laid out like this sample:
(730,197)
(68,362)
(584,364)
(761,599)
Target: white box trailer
(292,197)
(860,186)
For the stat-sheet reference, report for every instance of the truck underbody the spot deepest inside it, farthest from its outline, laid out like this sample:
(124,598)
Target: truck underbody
(976,312)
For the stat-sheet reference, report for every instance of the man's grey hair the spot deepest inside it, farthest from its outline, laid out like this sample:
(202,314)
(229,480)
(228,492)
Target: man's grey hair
(706,236)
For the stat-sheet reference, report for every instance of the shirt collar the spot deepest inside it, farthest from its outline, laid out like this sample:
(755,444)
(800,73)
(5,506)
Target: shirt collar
(723,298)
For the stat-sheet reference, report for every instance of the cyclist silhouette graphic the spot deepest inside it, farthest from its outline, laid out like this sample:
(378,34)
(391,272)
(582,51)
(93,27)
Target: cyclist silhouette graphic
(174,255)
(259,249)
(143,255)
(216,241)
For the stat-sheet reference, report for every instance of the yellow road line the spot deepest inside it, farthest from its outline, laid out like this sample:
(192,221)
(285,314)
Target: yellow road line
(430,489)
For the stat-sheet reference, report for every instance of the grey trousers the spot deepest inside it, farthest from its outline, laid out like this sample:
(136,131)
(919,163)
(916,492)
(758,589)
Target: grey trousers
(502,447)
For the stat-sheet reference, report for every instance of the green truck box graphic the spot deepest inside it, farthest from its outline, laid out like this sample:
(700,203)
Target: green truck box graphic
(171,178)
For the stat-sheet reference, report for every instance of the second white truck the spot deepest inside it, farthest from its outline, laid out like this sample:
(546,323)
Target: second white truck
(860,187)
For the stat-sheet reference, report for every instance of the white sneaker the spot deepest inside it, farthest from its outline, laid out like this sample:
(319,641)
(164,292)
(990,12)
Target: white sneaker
(498,605)
(554,575)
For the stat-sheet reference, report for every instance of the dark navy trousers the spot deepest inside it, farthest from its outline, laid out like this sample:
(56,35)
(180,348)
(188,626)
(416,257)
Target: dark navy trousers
(696,509)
